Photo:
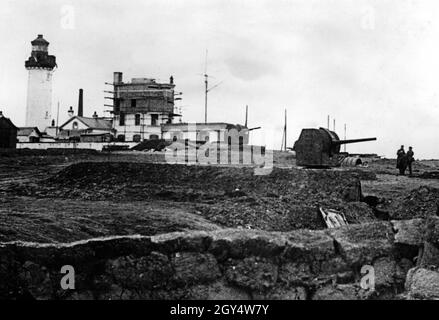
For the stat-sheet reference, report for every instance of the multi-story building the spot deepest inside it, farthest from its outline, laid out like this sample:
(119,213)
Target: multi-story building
(140,107)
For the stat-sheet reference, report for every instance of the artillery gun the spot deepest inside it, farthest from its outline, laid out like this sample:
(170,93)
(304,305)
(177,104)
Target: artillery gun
(321,148)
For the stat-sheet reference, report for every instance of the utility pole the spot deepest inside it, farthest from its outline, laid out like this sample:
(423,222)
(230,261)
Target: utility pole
(328,121)
(284,134)
(344,146)
(334,126)
(285,130)
(57,119)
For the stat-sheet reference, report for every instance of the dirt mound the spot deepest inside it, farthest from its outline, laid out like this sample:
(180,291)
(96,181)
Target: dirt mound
(364,174)
(175,181)
(284,200)
(65,220)
(156,145)
(388,166)
(429,175)
(420,203)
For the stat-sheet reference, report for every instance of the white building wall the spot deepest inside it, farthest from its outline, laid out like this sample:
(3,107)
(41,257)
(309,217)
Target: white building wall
(145,129)
(70,126)
(193,133)
(52,131)
(39,98)
(22,138)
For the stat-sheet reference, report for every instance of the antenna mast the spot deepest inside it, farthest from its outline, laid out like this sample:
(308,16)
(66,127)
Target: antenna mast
(284,135)
(206,90)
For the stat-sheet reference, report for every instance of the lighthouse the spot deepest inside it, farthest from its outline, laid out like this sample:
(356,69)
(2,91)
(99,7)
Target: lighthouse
(39,91)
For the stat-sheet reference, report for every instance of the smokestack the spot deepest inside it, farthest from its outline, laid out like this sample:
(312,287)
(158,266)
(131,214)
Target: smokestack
(80,103)
(117,77)
(246,115)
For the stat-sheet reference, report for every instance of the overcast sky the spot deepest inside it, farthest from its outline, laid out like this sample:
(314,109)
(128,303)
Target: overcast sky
(371,64)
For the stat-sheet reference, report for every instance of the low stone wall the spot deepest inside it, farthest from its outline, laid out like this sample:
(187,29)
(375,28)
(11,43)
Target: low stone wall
(71,145)
(233,264)
(45,152)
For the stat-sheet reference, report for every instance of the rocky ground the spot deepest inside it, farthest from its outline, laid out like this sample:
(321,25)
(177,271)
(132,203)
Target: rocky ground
(285,200)
(235,264)
(53,197)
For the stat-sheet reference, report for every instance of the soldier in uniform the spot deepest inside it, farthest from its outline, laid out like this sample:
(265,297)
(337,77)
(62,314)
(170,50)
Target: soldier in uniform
(410,159)
(401,160)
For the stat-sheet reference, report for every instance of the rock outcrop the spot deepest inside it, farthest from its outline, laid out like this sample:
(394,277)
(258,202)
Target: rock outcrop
(233,264)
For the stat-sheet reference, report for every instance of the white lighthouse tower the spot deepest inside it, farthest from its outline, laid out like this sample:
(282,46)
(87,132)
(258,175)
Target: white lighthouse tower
(39,91)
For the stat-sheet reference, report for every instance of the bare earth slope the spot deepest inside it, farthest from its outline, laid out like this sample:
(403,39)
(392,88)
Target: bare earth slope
(115,194)
(62,198)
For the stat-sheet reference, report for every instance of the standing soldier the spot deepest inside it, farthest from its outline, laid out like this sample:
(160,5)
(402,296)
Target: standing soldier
(400,154)
(410,159)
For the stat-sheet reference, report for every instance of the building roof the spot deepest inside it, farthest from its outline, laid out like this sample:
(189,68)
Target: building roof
(27,131)
(93,134)
(92,123)
(202,125)
(40,40)
(96,123)
(3,119)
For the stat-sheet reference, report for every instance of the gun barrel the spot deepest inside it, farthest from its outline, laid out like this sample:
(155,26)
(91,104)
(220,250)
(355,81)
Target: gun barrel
(354,140)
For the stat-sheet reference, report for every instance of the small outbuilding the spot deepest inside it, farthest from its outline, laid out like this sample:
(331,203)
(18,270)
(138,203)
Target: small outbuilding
(93,129)
(8,133)
(29,134)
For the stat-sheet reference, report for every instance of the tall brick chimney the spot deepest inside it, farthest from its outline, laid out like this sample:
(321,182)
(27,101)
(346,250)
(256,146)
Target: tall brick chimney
(80,103)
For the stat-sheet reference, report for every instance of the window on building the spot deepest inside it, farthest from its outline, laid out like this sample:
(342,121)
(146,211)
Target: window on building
(122,119)
(116,105)
(137,120)
(154,119)
(153,137)
(121,138)
(133,103)
(136,138)
(75,125)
